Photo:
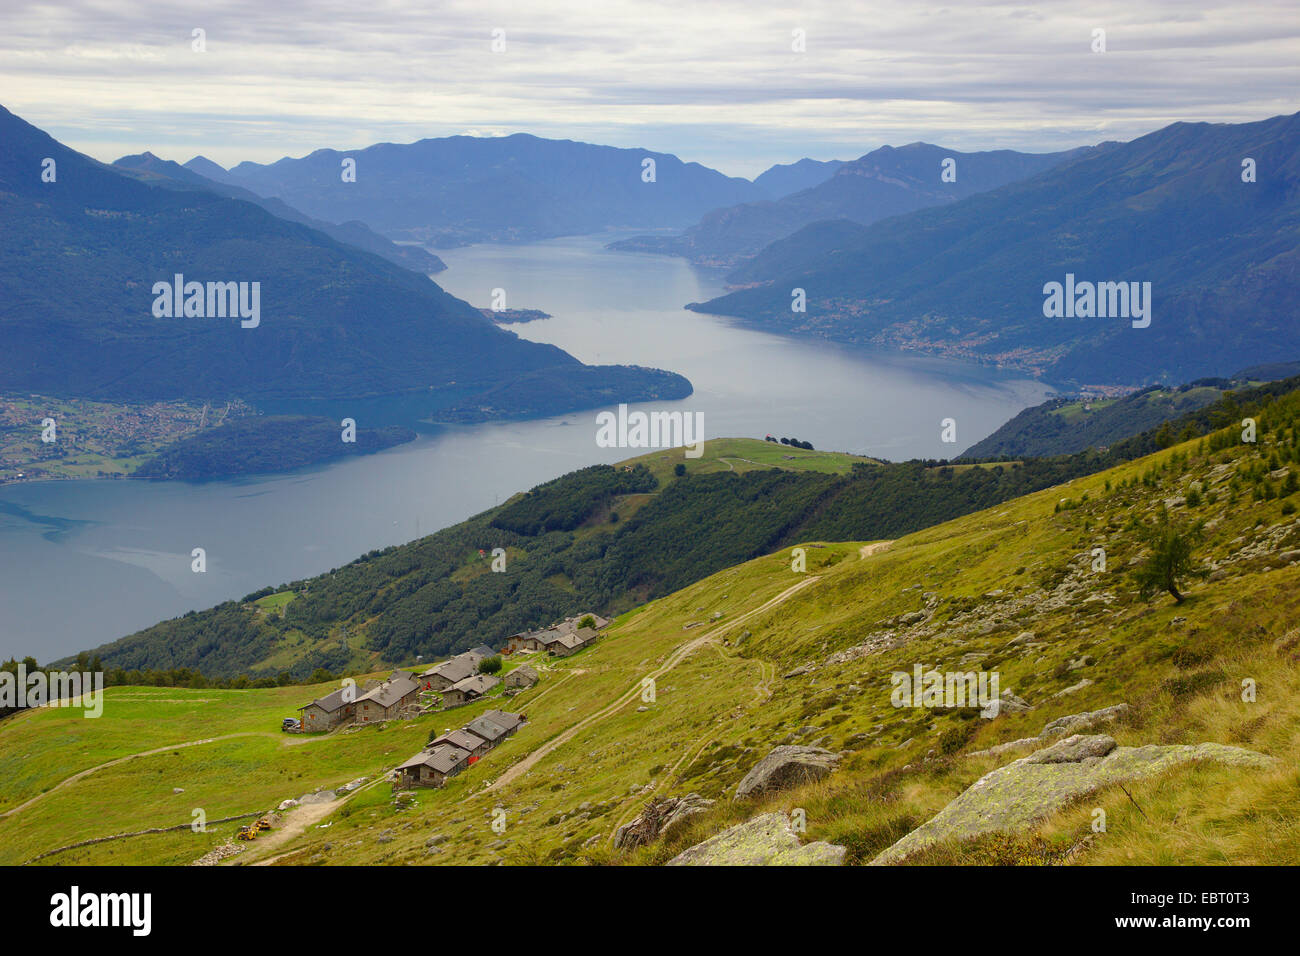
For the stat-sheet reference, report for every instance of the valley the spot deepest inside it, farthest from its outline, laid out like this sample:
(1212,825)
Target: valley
(683,695)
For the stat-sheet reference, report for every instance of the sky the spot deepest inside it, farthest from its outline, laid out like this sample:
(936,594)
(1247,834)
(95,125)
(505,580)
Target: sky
(715,82)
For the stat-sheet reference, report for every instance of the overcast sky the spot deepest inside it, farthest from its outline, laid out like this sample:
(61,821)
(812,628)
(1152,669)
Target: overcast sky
(710,80)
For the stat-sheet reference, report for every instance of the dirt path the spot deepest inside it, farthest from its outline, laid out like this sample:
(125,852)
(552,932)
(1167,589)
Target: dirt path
(867,550)
(676,657)
(113,763)
(288,742)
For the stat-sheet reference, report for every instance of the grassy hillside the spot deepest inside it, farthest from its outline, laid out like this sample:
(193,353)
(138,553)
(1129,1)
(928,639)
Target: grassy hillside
(758,655)
(592,539)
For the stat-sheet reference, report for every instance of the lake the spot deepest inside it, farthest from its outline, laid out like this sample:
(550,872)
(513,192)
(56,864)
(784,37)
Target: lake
(85,562)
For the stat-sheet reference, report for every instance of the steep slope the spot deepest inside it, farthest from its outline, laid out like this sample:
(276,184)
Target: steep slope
(968,278)
(80,257)
(883,183)
(353,233)
(686,694)
(462,189)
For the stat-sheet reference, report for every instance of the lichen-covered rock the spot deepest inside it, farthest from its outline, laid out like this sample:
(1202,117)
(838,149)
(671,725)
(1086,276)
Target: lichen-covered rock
(766,840)
(1074,749)
(1015,797)
(785,767)
(1078,723)
(658,820)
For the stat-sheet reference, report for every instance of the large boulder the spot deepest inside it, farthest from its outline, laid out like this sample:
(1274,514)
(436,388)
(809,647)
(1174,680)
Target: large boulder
(659,818)
(766,840)
(785,767)
(1016,797)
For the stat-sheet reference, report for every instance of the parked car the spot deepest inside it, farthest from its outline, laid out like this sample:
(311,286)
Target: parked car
(291,723)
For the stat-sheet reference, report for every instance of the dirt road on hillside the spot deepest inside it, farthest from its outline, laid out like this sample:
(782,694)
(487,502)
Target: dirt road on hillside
(676,657)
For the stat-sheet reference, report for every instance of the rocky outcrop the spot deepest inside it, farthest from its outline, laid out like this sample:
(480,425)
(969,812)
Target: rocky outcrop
(766,840)
(1017,796)
(658,820)
(1077,723)
(785,767)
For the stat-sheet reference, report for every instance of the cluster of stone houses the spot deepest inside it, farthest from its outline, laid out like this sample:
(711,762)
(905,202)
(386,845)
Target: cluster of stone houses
(458,680)
(559,640)
(375,700)
(451,753)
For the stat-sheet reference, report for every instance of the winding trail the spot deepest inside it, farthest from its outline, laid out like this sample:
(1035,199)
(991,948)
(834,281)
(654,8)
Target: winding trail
(515,771)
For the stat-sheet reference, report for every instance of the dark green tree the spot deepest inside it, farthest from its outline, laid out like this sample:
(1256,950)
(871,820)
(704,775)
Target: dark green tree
(1170,560)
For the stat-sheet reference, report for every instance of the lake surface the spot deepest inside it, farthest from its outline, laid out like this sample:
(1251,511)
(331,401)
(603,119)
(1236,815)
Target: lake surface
(86,562)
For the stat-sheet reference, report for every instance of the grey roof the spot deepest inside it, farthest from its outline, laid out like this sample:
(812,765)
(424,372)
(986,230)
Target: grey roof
(550,636)
(391,691)
(331,702)
(483,650)
(506,721)
(487,729)
(444,758)
(456,669)
(465,739)
(478,684)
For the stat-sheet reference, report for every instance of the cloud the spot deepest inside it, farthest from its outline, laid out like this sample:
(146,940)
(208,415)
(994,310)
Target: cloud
(716,83)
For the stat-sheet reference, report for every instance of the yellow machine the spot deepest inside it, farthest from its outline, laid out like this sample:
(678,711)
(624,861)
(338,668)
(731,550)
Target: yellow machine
(251,831)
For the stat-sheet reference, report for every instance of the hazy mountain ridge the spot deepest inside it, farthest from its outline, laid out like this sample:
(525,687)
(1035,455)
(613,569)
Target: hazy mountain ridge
(967,279)
(79,257)
(885,182)
(459,189)
(353,233)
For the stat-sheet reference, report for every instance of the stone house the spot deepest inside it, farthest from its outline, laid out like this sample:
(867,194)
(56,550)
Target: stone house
(330,711)
(386,701)
(471,688)
(433,768)
(521,677)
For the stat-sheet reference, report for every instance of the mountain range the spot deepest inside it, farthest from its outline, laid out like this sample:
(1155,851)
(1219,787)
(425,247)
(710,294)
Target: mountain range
(885,182)
(86,246)
(164,172)
(1207,214)
(461,189)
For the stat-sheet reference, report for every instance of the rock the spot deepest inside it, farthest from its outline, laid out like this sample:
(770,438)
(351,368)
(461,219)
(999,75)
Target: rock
(1074,749)
(320,796)
(659,818)
(1024,637)
(1006,704)
(785,767)
(798,671)
(436,840)
(766,840)
(287,805)
(352,785)
(1019,795)
(1073,688)
(1076,723)
(178,790)
(997,749)
(642,709)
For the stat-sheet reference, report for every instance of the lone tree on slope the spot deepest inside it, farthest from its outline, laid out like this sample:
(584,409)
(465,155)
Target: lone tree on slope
(1171,558)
